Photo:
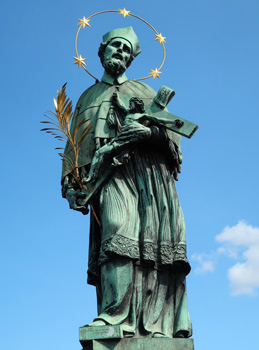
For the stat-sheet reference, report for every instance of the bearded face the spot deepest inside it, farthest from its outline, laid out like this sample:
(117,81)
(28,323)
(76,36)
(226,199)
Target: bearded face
(117,56)
(113,67)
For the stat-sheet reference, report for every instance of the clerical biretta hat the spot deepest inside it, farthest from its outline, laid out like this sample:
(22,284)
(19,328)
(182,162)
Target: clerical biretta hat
(127,34)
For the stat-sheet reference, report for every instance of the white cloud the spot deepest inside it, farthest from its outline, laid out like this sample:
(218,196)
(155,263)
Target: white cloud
(206,263)
(241,242)
(242,235)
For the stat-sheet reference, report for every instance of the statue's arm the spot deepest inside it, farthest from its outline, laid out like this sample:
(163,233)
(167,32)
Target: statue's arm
(169,141)
(121,145)
(165,138)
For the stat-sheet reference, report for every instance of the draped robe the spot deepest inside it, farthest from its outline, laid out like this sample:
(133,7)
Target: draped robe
(137,259)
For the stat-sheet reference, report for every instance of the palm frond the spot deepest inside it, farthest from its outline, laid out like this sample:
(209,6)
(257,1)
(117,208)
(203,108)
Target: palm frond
(78,127)
(84,134)
(60,129)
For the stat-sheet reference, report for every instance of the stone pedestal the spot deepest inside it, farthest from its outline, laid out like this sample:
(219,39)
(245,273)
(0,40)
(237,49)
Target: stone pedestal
(111,338)
(139,344)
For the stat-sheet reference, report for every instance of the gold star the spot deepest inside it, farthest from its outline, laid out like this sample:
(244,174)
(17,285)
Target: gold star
(155,73)
(160,38)
(79,60)
(84,22)
(124,12)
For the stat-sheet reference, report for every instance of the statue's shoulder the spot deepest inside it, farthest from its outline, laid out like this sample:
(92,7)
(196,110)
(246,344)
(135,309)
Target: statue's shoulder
(142,86)
(138,88)
(91,94)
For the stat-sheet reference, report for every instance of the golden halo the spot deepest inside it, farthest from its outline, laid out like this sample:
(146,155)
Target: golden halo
(80,61)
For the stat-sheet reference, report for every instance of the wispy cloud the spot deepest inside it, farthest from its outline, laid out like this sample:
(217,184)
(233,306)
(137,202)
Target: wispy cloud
(206,263)
(241,243)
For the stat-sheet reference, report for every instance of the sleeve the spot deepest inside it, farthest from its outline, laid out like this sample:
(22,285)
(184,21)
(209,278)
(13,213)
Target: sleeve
(172,143)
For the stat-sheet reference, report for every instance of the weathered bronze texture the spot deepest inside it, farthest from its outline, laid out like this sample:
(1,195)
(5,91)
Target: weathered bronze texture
(129,162)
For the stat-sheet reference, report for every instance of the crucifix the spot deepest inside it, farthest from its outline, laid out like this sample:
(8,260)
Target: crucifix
(155,113)
(158,114)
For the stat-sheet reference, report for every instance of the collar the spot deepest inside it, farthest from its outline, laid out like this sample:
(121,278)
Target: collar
(107,78)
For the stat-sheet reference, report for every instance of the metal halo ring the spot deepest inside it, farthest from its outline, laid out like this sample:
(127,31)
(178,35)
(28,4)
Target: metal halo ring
(85,22)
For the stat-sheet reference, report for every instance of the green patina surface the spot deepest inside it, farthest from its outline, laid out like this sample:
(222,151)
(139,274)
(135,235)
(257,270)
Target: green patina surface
(101,332)
(129,161)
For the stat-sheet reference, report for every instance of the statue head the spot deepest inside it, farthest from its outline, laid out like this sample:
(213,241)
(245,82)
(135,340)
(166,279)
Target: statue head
(136,105)
(118,49)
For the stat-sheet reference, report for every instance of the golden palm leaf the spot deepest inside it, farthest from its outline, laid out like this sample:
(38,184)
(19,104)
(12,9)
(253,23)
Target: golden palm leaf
(60,129)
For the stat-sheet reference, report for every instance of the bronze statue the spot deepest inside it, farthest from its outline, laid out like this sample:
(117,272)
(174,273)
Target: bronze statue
(137,247)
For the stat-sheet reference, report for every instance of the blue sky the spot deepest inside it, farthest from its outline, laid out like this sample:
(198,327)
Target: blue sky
(212,64)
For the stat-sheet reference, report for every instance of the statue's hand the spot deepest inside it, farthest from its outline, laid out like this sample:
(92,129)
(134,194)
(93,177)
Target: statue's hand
(98,160)
(133,132)
(76,200)
(116,100)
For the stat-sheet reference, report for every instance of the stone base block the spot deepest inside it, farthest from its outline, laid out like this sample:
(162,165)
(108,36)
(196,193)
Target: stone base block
(139,344)
(100,332)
